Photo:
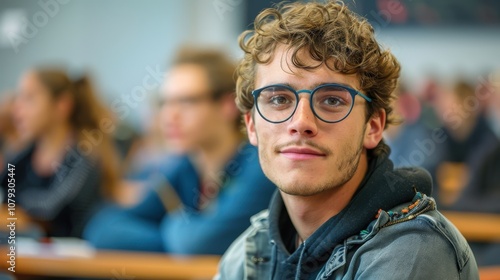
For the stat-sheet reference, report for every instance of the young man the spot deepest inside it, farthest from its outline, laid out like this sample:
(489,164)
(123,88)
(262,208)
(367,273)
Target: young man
(316,90)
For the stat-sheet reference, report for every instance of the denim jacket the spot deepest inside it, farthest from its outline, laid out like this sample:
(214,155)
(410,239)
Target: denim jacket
(411,240)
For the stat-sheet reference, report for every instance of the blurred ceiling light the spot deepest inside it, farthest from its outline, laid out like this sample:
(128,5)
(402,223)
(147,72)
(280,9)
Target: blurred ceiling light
(11,22)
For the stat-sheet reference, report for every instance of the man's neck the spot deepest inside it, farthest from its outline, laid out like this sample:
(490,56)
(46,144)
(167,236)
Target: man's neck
(308,213)
(211,158)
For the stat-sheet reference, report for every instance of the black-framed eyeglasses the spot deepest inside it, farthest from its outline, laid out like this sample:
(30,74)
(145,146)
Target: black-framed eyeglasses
(330,103)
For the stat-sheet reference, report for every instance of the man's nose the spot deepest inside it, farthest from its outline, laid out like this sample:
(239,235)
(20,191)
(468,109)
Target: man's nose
(303,121)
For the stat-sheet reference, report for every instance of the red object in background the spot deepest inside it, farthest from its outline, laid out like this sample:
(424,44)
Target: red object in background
(410,107)
(395,8)
(45,240)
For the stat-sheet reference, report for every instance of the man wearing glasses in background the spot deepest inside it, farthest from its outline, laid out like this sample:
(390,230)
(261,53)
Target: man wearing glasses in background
(316,90)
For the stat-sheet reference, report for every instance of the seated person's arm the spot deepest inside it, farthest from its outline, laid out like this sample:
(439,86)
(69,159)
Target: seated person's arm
(46,204)
(137,227)
(214,229)
(155,204)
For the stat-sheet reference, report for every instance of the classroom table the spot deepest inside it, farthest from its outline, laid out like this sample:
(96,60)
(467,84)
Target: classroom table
(134,265)
(489,273)
(118,265)
(479,227)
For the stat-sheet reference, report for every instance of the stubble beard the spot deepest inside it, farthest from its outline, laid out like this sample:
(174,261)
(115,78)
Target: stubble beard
(345,168)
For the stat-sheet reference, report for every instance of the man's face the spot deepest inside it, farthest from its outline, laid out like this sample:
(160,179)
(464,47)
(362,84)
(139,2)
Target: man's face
(304,155)
(189,115)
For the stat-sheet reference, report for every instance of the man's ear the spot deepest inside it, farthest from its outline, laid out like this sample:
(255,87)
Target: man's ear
(250,124)
(374,129)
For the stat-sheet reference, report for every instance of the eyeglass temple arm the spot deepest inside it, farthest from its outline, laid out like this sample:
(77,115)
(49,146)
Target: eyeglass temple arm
(364,96)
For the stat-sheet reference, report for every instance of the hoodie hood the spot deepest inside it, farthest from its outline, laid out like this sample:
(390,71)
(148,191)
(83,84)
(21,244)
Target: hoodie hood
(382,188)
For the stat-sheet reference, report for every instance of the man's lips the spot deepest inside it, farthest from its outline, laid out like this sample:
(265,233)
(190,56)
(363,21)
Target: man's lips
(299,153)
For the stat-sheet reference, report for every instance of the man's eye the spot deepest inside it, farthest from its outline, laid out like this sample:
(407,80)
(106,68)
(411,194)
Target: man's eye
(279,100)
(333,101)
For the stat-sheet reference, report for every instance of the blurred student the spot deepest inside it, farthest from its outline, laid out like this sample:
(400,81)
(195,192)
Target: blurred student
(64,174)
(482,192)
(213,171)
(468,139)
(409,141)
(10,141)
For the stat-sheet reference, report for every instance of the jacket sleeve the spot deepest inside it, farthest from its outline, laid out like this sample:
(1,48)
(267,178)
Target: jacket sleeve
(232,264)
(413,250)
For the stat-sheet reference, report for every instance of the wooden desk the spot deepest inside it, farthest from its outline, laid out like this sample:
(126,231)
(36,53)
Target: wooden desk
(118,265)
(476,226)
(128,265)
(489,273)
(22,219)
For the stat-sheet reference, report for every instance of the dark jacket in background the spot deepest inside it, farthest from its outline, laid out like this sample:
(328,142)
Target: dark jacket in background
(62,202)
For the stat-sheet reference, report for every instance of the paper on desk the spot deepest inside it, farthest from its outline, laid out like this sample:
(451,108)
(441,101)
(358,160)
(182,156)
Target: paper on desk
(57,248)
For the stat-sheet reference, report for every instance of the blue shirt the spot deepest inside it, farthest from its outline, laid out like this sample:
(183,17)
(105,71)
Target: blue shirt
(244,191)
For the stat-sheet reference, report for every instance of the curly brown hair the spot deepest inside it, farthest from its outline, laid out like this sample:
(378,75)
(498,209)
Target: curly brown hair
(332,35)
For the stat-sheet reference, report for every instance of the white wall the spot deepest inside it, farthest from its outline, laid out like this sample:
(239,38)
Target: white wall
(117,40)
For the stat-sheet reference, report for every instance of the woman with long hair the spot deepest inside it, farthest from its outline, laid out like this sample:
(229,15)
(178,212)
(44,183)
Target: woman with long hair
(71,165)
